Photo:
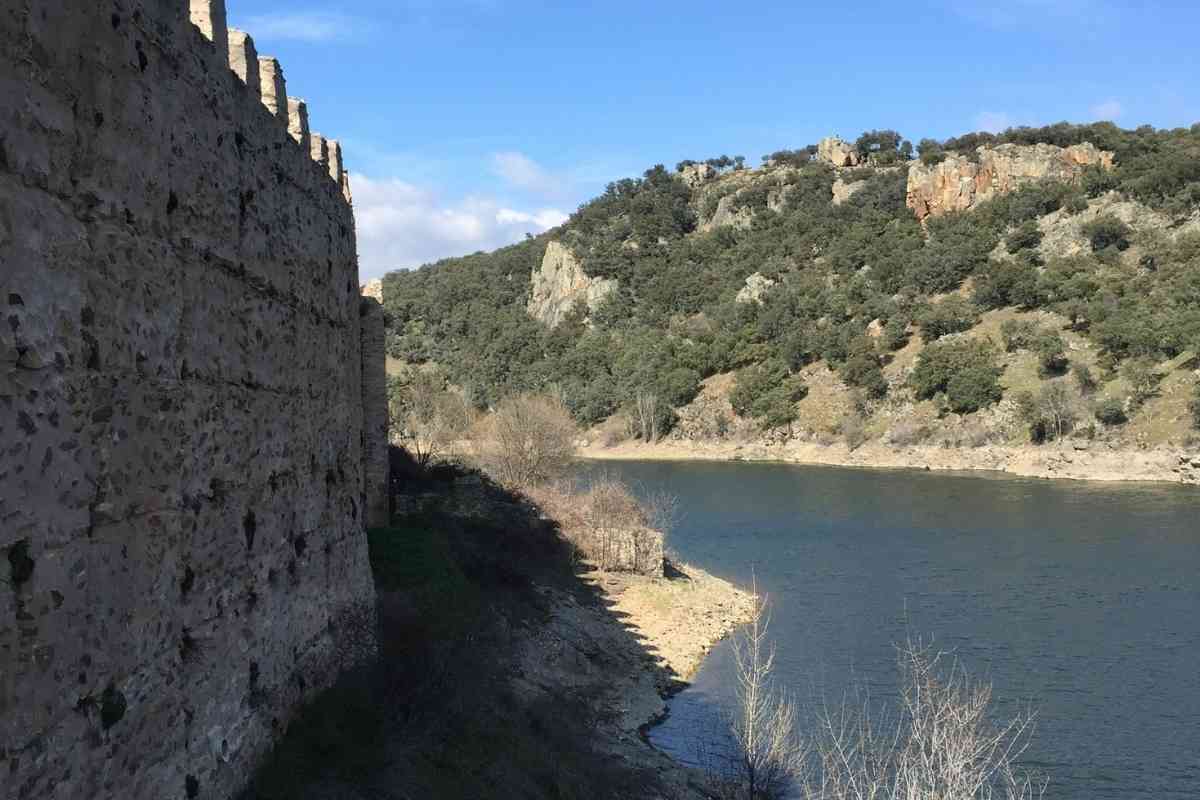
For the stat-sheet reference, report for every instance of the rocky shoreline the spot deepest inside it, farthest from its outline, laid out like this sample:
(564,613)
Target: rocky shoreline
(1074,461)
(587,649)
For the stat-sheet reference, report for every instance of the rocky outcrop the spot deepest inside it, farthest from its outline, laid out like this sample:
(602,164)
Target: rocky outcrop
(960,183)
(560,284)
(726,215)
(373,289)
(696,175)
(843,191)
(833,150)
(756,286)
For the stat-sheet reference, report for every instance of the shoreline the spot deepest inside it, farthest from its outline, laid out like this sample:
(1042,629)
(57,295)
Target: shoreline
(1082,461)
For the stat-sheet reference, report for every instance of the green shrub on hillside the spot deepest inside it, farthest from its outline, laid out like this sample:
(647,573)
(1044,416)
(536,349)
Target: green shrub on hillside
(1007,283)
(952,315)
(1084,379)
(965,370)
(862,369)
(768,394)
(1107,231)
(1194,407)
(1111,412)
(1027,236)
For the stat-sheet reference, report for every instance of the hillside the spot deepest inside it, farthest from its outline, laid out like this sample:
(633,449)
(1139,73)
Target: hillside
(1006,290)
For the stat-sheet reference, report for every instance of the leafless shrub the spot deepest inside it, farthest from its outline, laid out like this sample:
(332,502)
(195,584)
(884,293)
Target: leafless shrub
(646,416)
(854,431)
(907,432)
(769,756)
(528,440)
(941,744)
(607,524)
(428,417)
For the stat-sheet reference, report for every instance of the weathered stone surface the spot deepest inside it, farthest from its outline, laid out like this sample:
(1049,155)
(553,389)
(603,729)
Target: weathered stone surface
(182,558)
(756,286)
(843,191)
(243,60)
(273,87)
(834,151)
(320,150)
(726,215)
(375,412)
(209,17)
(560,284)
(696,175)
(298,122)
(959,184)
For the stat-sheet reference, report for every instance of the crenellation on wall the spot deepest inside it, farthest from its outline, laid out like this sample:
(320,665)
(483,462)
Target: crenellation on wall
(336,168)
(181,401)
(273,87)
(320,151)
(243,60)
(298,122)
(209,17)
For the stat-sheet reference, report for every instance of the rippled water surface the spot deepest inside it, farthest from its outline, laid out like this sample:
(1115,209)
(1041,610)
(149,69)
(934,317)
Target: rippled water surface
(1082,599)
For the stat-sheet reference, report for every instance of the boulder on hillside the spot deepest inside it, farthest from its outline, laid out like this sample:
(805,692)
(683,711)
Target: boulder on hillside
(756,286)
(696,175)
(839,153)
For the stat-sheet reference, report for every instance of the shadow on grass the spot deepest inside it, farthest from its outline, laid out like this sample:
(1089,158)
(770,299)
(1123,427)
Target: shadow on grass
(436,714)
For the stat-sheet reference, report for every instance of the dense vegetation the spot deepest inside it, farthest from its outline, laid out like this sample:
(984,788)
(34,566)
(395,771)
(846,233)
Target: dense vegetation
(675,320)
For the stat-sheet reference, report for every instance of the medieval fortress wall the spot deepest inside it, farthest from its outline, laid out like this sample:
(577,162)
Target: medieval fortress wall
(183,426)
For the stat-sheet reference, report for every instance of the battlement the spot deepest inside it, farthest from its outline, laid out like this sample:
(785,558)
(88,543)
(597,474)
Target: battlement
(263,76)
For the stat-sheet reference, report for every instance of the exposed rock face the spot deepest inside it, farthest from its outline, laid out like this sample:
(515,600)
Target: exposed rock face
(756,286)
(373,289)
(959,184)
(843,191)
(726,215)
(837,152)
(697,175)
(183,477)
(560,284)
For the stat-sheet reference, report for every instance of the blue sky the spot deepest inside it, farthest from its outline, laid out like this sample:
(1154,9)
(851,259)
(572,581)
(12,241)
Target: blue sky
(467,123)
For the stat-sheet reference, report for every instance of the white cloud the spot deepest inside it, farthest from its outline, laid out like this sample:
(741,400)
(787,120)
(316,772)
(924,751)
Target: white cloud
(402,225)
(304,26)
(992,121)
(1108,110)
(523,172)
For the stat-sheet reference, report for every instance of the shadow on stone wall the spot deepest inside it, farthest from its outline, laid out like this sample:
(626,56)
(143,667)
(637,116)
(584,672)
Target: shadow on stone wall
(477,691)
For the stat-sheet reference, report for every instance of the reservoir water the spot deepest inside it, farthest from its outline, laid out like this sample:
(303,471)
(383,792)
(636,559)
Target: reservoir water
(1082,600)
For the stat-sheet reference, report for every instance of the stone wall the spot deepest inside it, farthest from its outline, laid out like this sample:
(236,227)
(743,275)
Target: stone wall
(183,481)
(376,503)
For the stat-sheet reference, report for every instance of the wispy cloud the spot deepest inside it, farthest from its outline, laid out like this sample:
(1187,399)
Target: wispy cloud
(304,26)
(403,225)
(1109,110)
(522,172)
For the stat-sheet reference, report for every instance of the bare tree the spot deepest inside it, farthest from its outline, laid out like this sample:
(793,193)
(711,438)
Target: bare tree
(770,754)
(428,416)
(528,440)
(941,745)
(1057,405)
(645,413)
